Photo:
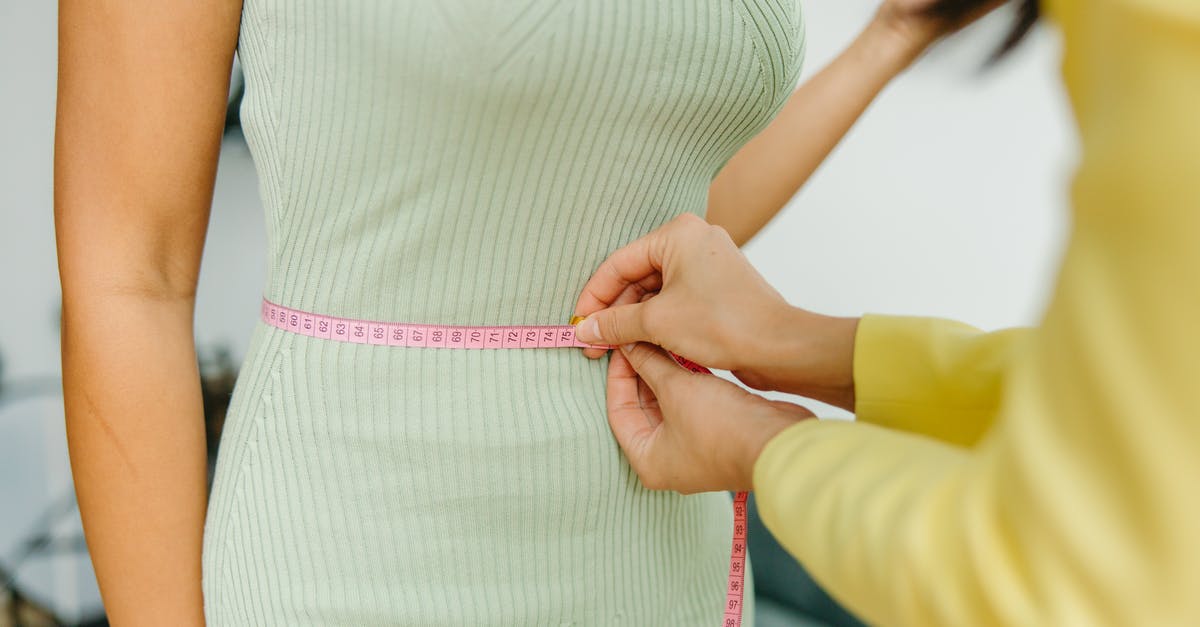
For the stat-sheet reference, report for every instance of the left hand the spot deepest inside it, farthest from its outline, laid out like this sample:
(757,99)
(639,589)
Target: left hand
(688,432)
(908,25)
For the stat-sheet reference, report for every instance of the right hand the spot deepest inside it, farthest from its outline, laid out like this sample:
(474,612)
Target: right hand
(689,432)
(688,288)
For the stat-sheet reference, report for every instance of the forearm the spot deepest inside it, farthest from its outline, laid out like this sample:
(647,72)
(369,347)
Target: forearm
(927,375)
(135,432)
(764,175)
(805,353)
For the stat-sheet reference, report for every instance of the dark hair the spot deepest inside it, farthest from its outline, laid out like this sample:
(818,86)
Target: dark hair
(955,11)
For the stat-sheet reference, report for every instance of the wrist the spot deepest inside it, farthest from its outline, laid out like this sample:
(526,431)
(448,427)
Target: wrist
(754,442)
(892,43)
(813,356)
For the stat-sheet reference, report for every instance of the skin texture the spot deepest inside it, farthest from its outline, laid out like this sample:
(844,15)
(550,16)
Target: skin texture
(142,89)
(686,288)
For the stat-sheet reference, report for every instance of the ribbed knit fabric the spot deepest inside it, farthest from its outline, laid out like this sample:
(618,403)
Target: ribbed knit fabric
(469,162)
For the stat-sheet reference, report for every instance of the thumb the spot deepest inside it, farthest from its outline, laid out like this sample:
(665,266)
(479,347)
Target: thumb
(614,326)
(653,365)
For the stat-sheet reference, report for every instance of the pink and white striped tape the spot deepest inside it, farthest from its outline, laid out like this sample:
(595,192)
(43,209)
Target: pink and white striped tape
(418,335)
(495,337)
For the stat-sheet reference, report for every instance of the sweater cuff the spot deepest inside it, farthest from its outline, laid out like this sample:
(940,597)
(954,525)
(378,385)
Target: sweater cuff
(774,456)
(921,375)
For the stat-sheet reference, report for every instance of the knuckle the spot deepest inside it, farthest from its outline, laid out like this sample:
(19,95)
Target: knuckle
(717,236)
(637,358)
(610,327)
(688,223)
(610,268)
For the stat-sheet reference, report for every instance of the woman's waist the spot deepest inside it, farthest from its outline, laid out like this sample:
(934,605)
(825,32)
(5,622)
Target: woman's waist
(404,378)
(456,405)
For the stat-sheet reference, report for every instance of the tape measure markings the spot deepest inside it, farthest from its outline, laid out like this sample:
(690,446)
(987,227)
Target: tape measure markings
(421,335)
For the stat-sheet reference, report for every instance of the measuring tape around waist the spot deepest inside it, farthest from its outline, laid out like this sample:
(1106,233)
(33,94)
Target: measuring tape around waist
(495,337)
(420,335)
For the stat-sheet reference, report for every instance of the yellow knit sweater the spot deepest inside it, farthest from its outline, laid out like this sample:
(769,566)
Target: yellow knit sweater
(1044,476)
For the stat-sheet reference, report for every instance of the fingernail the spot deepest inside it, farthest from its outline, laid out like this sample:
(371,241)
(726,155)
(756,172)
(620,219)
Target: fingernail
(587,330)
(628,348)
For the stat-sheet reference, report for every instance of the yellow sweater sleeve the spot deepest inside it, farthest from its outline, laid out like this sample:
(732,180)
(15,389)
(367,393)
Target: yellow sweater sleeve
(935,377)
(1080,505)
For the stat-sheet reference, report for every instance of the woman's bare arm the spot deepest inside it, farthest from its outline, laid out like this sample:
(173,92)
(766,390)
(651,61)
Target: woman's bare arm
(142,89)
(765,173)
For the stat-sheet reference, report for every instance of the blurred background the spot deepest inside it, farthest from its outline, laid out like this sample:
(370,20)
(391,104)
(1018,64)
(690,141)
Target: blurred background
(947,199)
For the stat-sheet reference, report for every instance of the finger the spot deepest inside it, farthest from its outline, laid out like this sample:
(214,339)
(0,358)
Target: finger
(639,262)
(617,325)
(631,419)
(627,390)
(605,285)
(633,293)
(654,366)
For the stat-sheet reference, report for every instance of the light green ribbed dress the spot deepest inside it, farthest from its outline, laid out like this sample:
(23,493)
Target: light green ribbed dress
(469,162)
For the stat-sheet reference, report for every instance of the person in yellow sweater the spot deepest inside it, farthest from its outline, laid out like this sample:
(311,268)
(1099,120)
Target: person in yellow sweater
(1041,476)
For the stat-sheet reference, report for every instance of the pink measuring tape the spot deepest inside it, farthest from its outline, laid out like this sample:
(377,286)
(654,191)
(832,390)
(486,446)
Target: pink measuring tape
(478,337)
